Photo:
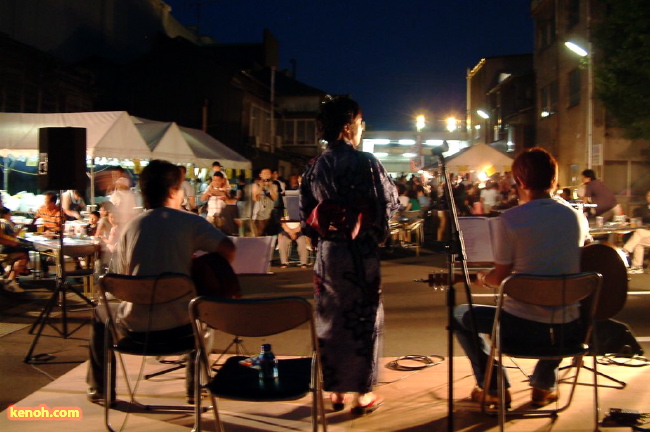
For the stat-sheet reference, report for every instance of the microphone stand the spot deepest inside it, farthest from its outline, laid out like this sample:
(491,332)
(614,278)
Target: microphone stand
(455,250)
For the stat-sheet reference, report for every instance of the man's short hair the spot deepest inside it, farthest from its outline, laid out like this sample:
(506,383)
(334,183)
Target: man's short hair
(157,180)
(50,197)
(589,173)
(536,168)
(218,174)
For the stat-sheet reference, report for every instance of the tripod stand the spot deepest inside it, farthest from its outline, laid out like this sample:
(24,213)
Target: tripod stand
(59,296)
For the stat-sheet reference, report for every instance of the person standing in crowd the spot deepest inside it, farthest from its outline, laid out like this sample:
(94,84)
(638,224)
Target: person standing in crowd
(123,198)
(523,245)
(278,205)
(72,203)
(143,250)
(189,202)
(265,192)
(215,196)
(229,221)
(489,197)
(346,201)
(640,239)
(595,192)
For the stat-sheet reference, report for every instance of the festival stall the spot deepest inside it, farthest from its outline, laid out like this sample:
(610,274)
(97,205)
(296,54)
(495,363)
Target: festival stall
(478,158)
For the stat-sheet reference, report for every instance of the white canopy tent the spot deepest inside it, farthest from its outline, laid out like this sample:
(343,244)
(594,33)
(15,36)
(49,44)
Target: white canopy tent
(185,145)
(208,150)
(165,141)
(479,158)
(108,134)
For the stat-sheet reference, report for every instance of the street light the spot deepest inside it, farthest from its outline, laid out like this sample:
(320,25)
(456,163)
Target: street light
(483,114)
(452,124)
(577,49)
(420,122)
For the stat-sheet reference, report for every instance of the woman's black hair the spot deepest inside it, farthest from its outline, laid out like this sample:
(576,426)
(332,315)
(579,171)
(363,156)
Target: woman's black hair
(335,113)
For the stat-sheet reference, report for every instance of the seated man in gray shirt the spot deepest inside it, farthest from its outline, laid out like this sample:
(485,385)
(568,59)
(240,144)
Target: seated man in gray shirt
(162,239)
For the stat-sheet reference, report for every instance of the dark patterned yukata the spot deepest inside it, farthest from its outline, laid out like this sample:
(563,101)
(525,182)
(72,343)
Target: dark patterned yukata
(352,198)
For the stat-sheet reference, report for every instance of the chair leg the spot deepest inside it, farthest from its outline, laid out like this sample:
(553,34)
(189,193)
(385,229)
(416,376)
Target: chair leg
(596,403)
(502,388)
(197,392)
(108,381)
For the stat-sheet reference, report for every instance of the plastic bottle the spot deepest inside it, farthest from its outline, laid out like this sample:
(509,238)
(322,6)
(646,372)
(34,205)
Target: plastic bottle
(268,363)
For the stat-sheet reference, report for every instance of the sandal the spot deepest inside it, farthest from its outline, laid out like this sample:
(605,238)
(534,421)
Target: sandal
(370,407)
(338,401)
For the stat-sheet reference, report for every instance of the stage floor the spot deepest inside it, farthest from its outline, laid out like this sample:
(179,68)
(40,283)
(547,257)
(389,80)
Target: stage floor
(414,401)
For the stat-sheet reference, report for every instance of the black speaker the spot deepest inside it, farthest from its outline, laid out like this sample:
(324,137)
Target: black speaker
(62,158)
(615,337)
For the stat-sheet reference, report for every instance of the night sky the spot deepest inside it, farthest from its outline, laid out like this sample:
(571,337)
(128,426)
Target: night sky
(396,58)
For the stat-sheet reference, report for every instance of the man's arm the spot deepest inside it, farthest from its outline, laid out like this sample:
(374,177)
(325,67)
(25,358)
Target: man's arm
(494,277)
(65,204)
(226,249)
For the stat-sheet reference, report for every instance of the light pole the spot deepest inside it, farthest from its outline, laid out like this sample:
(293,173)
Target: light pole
(419,125)
(577,49)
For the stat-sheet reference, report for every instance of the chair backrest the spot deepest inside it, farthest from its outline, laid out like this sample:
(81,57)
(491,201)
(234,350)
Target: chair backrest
(147,290)
(556,290)
(252,317)
(604,259)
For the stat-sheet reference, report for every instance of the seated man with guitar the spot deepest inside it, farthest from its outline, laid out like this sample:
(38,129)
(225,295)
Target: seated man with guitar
(541,236)
(162,239)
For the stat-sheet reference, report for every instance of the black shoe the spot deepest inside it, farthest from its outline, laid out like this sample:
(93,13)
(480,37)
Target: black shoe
(97,397)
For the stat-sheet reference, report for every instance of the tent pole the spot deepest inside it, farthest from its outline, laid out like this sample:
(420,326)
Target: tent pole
(92,181)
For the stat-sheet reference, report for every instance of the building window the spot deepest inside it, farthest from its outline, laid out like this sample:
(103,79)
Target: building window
(574,87)
(573,13)
(545,33)
(260,124)
(548,100)
(299,132)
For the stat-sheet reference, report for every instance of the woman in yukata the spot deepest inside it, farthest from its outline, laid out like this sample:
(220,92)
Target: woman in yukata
(346,201)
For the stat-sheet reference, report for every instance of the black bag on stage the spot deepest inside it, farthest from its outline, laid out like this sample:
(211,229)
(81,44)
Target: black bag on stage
(615,337)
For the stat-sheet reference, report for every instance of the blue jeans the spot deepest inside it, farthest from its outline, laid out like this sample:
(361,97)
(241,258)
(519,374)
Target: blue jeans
(514,332)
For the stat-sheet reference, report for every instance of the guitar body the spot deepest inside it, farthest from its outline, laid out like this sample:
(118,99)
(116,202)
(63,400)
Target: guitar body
(213,276)
(604,259)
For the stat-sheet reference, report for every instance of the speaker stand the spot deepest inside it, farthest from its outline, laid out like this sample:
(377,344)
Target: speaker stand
(58,296)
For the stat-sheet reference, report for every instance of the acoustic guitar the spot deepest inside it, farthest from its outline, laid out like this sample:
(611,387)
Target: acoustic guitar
(214,276)
(604,259)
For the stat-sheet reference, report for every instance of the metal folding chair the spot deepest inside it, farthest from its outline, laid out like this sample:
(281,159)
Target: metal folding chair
(148,292)
(297,376)
(551,291)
